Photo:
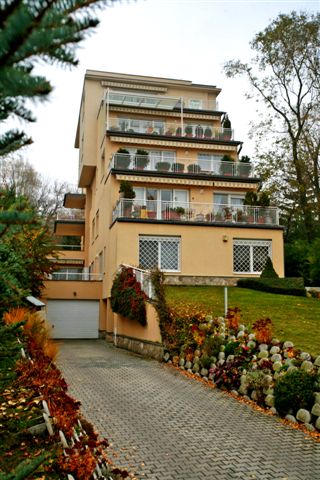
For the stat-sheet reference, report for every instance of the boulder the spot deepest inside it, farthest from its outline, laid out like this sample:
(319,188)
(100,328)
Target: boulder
(318,423)
(276,366)
(288,345)
(263,346)
(303,415)
(263,354)
(274,349)
(181,362)
(204,372)
(317,361)
(188,365)
(269,400)
(307,366)
(305,356)
(276,357)
(291,418)
(316,410)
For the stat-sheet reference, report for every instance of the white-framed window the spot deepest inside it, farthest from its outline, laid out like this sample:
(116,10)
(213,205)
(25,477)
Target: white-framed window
(158,200)
(250,256)
(136,125)
(161,252)
(195,103)
(209,162)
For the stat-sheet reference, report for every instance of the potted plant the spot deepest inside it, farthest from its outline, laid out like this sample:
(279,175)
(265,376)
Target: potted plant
(178,167)
(194,168)
(188,131)
(199,131)
(226,134)
(163,166)
(208,132)
(227,213)
(225,166)
(128,194)
(123,158)
(141,159)
(169,132)
(245,166)
(264,203)
(178,132)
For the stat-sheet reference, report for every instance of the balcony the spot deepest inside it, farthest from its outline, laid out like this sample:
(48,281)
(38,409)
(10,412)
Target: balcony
(73,276)
(195,212)
(154,163)
(161,102)
(169,129)
(69,222)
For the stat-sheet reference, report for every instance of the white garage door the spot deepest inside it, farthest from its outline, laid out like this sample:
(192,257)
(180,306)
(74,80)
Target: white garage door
(73,318)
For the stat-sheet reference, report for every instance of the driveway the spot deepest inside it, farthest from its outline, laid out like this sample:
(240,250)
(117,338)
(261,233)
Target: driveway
(164,426)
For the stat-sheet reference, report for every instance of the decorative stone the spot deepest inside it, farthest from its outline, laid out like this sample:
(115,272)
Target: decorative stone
(252,336)
(230,358)
(241,334)
(269,400)
(291,418)
(254,395)
(235,393)
(181,362)
(274,349)
(197,374)
(268,379)
(303,415)
(277,366)
(166,356)
(222,348)
(274,411)
(221,362)
(263,354)
(307,366)
(188,365)
(309,427)
(195,367)
(305,356)
(276,357)
(243,390)
(318,423)
(268,391)
(317,361)
(251,344)
(288,361)
(316,410)
(263,347)
(221,356)
(246,397)
(48,424)
(317,397)
(242,328)
(189,370)
(170,362)
(243,379)
(211,376)
(287,345)
(197,353)
(292,368)
(205,378)
(196,359)
(204,372)
(275,341)
(38,429)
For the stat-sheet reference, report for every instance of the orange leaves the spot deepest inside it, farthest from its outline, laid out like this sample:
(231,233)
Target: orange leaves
(233,319)
(263,330)
(15,315)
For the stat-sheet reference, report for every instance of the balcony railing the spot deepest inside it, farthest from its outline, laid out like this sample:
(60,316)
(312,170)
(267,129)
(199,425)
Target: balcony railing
(163,102)
(72,276)
(154,163)
(195,212)
(72,215)
(144,277)
(74,248)
(168,129)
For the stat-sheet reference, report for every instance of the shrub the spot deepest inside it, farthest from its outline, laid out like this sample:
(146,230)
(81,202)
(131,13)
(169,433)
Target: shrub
(263,330)
(269,271)
(294,391)
(127,297)
(283,286)
(212,345)
(233,319)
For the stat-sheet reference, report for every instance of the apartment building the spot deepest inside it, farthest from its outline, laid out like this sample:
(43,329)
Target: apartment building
(163,183)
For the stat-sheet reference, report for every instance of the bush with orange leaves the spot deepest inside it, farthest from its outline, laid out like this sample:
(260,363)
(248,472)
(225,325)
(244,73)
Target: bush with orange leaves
(263,330)
(35,329)
(233,319)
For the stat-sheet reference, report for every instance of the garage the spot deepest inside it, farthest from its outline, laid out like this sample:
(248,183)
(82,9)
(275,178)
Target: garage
(73,318)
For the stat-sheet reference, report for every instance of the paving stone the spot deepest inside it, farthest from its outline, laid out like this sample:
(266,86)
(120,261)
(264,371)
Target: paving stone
(164,426)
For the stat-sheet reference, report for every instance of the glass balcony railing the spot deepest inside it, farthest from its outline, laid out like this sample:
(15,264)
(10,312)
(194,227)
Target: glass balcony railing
(195,212)
(169,129)
(156,163)
(67,214)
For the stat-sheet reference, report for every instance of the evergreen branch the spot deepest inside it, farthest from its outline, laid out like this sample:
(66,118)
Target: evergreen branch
(13,140)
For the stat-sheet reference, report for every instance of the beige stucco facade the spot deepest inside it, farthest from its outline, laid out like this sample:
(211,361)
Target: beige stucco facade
(175,122)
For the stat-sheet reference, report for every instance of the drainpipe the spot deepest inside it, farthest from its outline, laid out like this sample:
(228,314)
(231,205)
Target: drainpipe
(181,114)
(107,102)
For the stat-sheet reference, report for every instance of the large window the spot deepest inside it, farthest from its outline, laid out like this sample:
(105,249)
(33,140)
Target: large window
(250,256)
(161,252)
(209,163)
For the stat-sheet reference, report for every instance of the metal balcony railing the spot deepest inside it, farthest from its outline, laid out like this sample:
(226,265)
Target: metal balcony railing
(74,248)
(154,163)
(195,212)
(169,129)
(144,277)
(70,214)
(73,276)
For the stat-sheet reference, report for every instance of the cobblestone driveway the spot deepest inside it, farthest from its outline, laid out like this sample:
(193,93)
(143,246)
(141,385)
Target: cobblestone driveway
(167,427)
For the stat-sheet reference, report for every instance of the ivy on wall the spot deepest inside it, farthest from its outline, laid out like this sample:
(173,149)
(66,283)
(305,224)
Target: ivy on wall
(127,297)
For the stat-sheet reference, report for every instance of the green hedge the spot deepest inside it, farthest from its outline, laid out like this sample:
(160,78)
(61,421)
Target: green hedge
(284,286)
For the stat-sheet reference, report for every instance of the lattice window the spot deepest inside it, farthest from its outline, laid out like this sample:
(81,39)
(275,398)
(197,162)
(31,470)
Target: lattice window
(249,256)
(161,252)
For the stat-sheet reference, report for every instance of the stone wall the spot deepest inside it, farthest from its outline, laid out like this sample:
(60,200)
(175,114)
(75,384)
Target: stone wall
(143,347)
(189,280)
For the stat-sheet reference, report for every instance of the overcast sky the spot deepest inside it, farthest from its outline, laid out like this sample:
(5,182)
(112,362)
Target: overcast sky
(183,39)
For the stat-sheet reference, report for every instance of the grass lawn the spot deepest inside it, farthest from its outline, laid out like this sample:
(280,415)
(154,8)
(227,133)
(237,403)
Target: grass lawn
(294,318)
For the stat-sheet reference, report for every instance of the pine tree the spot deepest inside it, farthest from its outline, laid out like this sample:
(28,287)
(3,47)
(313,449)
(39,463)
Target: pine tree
(33,31)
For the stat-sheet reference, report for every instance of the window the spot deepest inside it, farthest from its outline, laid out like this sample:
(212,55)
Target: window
(141,126)
(195,103)
(97,223)
(250,256)
(160,200)
(161,252)
(209,163)
(93,230)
